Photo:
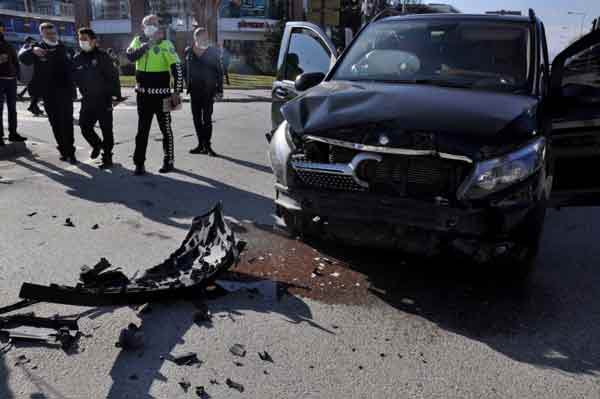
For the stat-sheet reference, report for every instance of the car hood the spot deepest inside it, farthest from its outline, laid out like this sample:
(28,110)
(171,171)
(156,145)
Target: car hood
(463,120)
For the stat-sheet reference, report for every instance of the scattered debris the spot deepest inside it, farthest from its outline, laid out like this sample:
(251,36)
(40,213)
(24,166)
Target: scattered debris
(234,385)
(335,326)
(185,358)
(238,350)
(29,328)
(239,364)
(200,391)
(131,338)
(335,274)
(202,314)
(264,356)
(185,385)
(69,223)
(214,382)
(265,372)
(95,227)
(32,214)
(382,355)
(209,248)
(360,367)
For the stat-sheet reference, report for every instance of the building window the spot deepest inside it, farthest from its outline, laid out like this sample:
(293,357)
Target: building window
(272,9)
(110,9)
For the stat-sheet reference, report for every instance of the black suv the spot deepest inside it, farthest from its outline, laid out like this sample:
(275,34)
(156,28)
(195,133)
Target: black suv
(436,132)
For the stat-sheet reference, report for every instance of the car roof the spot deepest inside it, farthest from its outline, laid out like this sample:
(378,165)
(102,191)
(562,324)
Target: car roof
(454,16)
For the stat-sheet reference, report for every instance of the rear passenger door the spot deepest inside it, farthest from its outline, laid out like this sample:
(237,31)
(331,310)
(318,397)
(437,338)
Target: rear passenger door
(304,48)
(575,138)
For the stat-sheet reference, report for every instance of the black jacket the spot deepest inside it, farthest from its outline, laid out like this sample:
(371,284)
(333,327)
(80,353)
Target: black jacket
(10,67)
(52,72)
(203,74)
(95,75)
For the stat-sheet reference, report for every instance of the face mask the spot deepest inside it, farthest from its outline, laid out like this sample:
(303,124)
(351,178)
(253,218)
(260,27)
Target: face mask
(50,42)
(203,44)
(85,46)
(150,30)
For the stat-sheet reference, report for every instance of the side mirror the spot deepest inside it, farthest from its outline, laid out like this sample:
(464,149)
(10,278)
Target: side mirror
(308,80)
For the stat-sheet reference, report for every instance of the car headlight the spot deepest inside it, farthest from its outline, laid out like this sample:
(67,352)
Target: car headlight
(497,174)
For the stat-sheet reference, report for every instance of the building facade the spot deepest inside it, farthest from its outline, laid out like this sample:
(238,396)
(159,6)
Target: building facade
(23,18)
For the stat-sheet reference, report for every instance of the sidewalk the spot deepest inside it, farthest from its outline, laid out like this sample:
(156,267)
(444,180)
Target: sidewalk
(229,95)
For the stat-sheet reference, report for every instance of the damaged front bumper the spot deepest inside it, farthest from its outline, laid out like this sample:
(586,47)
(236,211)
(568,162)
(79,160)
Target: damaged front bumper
(209,249)
(367,219)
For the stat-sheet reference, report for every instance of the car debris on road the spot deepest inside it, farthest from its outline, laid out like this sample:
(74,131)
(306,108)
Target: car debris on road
(234,385)
(238,350)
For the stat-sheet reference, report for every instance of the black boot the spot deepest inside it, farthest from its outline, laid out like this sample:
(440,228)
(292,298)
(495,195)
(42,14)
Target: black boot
(72,159)
(210,151)
(139,170)
(200,149)
(95,152)
(167,167)
(107,162)
(16,137)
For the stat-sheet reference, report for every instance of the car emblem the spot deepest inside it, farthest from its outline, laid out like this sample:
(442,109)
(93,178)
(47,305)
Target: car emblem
(384,140)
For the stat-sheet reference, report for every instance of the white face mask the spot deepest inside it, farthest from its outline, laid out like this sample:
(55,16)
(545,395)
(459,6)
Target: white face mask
(150,30)
(85,46)
(50,42)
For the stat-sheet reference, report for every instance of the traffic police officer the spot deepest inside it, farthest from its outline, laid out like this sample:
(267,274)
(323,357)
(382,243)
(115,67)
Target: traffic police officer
(98,82)
(155,61)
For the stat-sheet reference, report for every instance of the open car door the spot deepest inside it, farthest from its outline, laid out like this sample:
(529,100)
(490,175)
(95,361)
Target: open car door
(304,48)
(575,138)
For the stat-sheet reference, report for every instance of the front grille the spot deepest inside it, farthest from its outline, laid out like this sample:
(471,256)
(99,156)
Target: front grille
(328,181)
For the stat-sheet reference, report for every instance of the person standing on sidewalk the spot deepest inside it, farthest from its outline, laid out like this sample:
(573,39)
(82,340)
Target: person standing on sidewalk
(53,82)
(204,78)
(26,78)
(9,71)
(98,82)
(155,62)
(226,60)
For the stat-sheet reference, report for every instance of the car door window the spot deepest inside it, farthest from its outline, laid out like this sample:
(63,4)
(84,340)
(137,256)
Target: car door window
(306,53)
(581,74)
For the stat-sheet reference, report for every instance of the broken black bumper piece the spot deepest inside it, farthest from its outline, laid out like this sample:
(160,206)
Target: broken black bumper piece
(209,249)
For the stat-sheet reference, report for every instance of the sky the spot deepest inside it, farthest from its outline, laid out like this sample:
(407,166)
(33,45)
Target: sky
(561,28)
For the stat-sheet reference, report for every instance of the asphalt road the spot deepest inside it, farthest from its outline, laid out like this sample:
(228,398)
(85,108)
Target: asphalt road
(374,325)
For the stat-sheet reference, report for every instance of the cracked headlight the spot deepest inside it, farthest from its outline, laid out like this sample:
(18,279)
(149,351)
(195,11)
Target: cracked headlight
(497,174)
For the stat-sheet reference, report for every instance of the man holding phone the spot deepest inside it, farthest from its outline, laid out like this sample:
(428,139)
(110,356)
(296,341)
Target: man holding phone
(155,62)
(53,82)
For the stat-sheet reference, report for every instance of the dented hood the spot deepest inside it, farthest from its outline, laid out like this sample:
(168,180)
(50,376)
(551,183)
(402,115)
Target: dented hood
(482,115)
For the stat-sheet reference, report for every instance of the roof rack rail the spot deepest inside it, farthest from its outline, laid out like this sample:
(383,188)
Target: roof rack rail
(532,15)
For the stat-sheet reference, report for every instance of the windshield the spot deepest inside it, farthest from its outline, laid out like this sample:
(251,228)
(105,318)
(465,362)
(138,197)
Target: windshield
(476,54)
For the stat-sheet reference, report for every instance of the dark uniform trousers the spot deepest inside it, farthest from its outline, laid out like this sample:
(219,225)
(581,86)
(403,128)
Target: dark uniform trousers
(59,107)
(148,106)
(97,110)
(202,110)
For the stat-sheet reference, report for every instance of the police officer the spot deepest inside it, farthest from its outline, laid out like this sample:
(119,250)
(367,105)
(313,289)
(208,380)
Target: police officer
(204,76)
(98,82)
(53,81)
(155,61)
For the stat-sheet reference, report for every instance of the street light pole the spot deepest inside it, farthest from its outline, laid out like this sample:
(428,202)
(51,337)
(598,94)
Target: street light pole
(583,15)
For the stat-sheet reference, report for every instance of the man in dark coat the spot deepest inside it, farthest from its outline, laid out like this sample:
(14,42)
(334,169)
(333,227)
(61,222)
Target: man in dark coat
(9,71)
(204,76)
(98,81)
(53,82)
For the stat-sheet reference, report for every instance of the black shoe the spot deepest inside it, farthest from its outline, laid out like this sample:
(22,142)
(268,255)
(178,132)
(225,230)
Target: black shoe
(2,143)
(95,152)
(199,150)
(107,162)
(211,153)
(139,170)
(35,111)
(167,167)
(72,160)
(16,138)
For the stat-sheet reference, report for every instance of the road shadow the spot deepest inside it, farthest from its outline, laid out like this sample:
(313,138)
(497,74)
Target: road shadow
(5,391)
(165,327)
(551,322)
(248,164)
(160,198)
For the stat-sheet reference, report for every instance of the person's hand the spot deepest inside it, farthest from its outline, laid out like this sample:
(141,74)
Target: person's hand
(175,99)
(40,52)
